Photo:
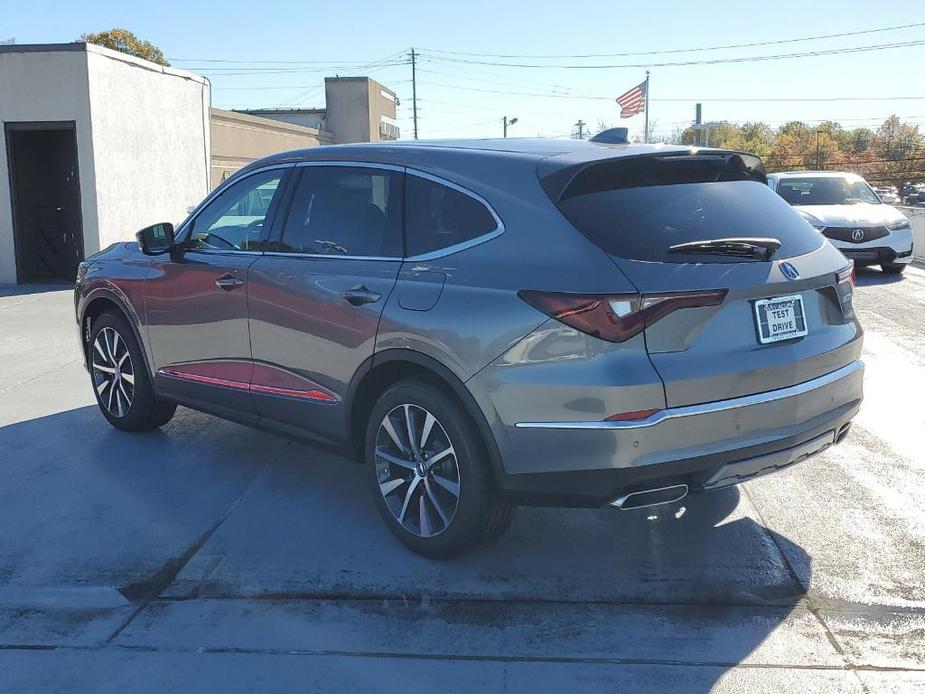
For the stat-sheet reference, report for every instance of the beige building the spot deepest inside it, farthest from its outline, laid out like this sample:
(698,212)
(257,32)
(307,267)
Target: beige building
(240,138)
(357,109)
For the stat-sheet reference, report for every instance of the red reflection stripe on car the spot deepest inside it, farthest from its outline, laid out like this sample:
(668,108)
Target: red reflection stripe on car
(307,394)
(199,378)
(312,394)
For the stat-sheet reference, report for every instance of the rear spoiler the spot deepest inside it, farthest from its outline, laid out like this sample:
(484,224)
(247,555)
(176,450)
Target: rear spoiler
(562,180)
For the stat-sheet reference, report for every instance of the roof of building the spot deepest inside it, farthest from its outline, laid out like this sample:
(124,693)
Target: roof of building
(280,110)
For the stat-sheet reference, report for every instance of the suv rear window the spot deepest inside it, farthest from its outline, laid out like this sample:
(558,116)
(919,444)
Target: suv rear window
(639,208)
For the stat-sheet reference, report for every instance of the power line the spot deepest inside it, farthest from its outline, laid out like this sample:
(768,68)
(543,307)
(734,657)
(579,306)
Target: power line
(685,50)
(786,99)
(712,61)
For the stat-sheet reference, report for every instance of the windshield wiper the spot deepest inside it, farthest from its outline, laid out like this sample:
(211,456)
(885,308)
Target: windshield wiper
(743,247)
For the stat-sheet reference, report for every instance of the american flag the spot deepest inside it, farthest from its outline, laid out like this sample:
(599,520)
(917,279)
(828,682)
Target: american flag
(633,101)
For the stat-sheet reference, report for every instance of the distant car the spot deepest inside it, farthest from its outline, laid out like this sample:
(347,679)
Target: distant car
(888,196)
(846,210)
(489,323)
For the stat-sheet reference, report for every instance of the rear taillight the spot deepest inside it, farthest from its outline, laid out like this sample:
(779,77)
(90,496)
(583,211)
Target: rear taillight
(847,274)
(616,317)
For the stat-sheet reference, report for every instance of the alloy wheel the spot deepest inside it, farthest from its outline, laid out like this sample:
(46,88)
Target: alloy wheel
(113,372)
(417,470)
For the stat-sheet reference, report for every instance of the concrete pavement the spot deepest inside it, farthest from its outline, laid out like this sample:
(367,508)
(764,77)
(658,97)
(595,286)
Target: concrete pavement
(209,556)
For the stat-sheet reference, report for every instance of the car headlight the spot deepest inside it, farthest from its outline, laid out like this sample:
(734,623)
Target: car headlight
(901,224)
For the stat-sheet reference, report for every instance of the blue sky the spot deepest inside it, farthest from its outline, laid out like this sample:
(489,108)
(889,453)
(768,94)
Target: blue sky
(464,99)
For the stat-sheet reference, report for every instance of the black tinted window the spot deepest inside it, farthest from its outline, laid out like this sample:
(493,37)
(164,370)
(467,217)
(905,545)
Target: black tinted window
(641,223)
(235,219)
(437,216)
(340,210)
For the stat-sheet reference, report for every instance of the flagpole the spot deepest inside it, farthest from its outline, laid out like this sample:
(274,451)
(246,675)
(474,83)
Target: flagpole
(646,131)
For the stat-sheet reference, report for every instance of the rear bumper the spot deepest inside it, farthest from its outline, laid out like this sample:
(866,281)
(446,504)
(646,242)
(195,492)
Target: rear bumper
(704,446)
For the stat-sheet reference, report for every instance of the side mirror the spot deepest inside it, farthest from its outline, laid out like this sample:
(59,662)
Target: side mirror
(156,239)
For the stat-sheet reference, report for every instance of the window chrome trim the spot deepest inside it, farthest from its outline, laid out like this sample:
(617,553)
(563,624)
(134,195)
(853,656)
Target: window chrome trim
(422,257)
(706,408)
(456,248)
(284,254)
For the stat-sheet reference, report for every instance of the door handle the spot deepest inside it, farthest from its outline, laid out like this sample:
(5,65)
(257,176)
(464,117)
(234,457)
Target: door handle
(227,282)
(359,295)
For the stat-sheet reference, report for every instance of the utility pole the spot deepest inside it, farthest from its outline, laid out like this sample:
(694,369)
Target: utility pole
(507,121)
(818,153)
(698,131)
(414,94)
(580,125)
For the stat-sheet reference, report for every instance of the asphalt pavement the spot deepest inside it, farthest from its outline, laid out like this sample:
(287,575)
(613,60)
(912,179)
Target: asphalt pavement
(211,557)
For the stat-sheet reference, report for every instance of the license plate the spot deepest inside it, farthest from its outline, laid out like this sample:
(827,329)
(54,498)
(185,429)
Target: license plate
(779,319)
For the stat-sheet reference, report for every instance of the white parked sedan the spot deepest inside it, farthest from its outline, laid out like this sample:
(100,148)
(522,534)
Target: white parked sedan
(846,210)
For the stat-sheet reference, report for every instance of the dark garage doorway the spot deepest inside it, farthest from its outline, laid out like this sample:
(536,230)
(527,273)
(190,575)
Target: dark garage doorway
(45,190)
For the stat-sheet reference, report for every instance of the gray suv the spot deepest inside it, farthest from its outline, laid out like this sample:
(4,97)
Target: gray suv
(488,323)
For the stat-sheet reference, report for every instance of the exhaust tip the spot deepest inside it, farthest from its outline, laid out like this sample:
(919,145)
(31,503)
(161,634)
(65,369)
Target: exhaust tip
(651,497)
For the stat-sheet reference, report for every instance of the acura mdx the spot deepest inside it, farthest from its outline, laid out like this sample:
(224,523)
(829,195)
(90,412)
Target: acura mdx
(486,324)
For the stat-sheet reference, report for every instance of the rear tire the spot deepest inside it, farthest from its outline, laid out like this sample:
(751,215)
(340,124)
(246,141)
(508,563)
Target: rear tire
(436,498)
(893,268)
(120,379)
(499,521)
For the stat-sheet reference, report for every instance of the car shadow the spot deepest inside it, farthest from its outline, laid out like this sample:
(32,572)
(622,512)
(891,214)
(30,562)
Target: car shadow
(29,289)
(206,508)
(867,276)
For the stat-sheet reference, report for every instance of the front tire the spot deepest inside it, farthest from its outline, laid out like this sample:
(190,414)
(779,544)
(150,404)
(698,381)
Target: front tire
(120,380)
(893,268)
(428,470)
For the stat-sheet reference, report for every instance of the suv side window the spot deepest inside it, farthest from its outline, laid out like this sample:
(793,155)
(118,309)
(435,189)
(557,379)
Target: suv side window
(437,216)
(234,220)
(345,211)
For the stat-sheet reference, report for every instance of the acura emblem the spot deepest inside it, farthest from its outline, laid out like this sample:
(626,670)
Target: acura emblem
(789,271)
(858,234)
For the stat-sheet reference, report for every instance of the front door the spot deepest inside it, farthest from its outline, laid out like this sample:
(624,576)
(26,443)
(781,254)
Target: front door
(315,300)
(44,181)
(196,303)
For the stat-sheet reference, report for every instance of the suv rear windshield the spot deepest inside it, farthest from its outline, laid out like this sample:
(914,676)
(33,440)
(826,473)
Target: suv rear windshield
(639,208)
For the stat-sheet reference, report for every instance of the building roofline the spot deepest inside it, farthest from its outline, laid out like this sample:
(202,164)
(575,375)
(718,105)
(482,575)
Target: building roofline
(279,110)
(84,47)
(74,46)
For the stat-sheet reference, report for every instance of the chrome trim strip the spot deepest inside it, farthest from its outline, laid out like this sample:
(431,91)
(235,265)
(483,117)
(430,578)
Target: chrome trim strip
(283,254)
(706,408)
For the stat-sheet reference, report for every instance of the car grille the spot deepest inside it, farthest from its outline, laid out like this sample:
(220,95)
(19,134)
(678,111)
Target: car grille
(848,233)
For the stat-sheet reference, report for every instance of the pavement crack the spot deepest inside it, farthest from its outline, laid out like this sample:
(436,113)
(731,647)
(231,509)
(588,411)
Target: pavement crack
(808,601)
(145,591)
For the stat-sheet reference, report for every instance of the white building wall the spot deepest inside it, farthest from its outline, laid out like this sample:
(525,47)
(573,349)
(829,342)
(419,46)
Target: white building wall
(150,142)
(45,86)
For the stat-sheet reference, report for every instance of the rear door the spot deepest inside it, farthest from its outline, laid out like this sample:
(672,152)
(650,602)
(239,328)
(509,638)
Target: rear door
(785,319)
(316,298)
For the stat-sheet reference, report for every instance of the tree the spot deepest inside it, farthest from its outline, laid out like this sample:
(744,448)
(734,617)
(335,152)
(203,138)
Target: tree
(126,42)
